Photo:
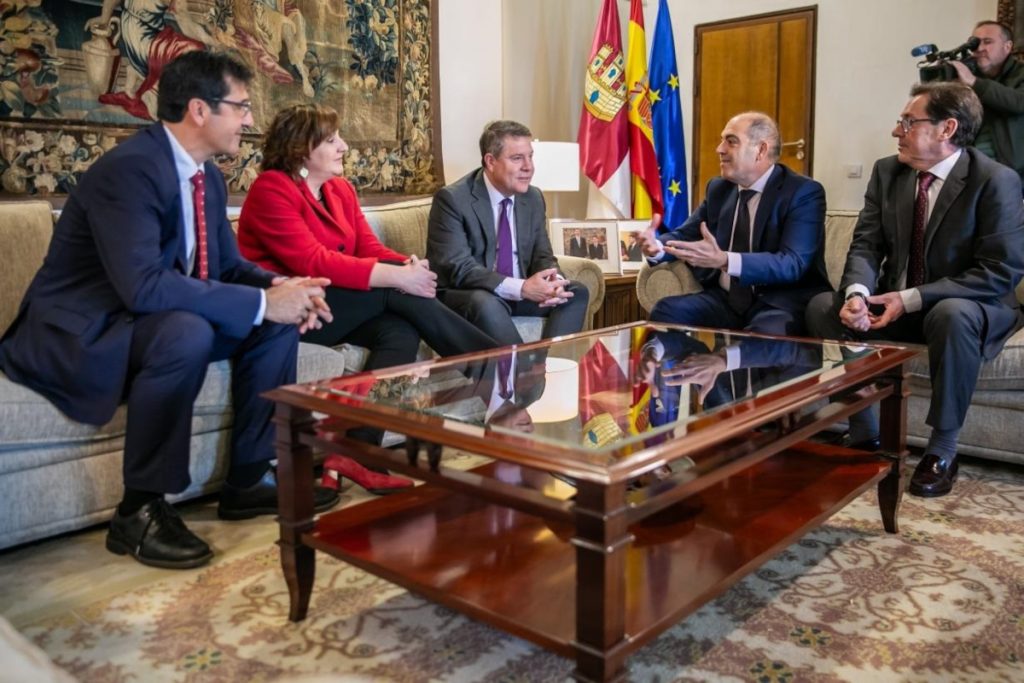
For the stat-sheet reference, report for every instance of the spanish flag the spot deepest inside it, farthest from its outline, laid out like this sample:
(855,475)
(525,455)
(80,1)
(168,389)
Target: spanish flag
(643,163)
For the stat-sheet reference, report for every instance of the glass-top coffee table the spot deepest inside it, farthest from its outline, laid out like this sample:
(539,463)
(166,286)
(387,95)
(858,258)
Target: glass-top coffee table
(635,473)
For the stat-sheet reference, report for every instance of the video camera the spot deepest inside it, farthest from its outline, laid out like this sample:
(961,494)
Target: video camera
(936,64)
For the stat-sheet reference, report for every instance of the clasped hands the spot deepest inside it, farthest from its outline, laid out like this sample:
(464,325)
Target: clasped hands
(856,312)
(418,279)
(546,288)
(298,301)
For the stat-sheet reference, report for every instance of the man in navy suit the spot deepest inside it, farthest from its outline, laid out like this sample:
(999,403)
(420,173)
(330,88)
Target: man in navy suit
(935,258)
(142,288)
(755,242)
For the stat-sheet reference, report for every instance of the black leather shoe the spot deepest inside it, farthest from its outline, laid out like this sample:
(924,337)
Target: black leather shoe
(157,536)
(261,499)
(872,445)
(933,477)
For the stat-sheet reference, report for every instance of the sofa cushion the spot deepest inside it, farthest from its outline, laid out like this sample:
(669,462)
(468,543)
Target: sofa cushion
(401,225)
(25,231)
(30,426)
(1005,372)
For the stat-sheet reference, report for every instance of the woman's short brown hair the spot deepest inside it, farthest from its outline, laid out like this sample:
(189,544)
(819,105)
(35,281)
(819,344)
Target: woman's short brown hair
(294,133)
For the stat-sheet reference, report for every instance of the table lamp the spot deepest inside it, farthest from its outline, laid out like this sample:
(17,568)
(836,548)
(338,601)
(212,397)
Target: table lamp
(556,169)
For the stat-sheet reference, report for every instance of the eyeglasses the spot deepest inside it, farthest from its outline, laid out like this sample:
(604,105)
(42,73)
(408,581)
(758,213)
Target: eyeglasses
(906,124)
(245,107)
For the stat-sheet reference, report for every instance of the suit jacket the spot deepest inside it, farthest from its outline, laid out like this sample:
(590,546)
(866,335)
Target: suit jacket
(974,240)
(577,247)
(786,267)
(462,240)
(285,229)
(118,251)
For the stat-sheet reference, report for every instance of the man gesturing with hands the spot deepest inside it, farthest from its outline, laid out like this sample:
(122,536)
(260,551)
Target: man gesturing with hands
(755,242)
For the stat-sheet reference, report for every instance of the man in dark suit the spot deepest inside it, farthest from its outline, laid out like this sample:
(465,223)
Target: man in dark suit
(141,289)
(754,243)
(488,242)
(935,257)
(577,245)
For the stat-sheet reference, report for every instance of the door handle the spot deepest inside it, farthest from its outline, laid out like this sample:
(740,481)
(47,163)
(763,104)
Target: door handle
(799,144)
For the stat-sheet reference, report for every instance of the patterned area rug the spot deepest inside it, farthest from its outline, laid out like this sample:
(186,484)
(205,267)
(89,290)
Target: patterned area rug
(941,601)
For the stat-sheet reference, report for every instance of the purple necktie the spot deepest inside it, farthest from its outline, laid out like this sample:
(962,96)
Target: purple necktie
(915,266)
(504,373)
(504,265)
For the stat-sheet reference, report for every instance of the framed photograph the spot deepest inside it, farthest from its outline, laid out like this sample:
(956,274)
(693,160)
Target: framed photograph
(594,240)
(630,254)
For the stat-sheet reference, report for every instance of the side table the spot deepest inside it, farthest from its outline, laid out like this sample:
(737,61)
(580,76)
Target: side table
(620,303)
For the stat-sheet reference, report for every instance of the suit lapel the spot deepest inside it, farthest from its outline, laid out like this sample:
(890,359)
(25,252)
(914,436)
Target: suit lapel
(905,189)
(523,215)
(485,214)
(322,213)
(158,137)
(726,218)
(765,206)
(950,190)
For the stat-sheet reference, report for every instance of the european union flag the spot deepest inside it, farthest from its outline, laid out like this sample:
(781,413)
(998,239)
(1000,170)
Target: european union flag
(669,144)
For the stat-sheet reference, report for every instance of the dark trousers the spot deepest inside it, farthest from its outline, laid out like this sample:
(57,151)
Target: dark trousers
(170,353)
(390,324)
(493,315)
(711,308)
(952,329)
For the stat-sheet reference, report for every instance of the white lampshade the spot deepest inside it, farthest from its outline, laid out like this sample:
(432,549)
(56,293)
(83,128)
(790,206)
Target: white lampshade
(561,398)
(556,166)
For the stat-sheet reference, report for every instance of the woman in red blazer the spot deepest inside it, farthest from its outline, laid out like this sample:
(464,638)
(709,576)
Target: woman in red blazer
(301,218)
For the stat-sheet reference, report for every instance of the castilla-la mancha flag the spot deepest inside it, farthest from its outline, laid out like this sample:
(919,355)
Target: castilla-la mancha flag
(642,161)
(604,146)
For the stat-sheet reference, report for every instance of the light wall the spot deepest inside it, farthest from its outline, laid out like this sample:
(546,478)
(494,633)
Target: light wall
(532,70)
(470,37)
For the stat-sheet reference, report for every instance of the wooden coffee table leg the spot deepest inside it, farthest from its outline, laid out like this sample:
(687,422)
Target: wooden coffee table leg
(295,505)
(893,434)
(601,541)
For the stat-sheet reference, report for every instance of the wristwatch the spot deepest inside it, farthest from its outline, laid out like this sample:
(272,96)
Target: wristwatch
(853,294)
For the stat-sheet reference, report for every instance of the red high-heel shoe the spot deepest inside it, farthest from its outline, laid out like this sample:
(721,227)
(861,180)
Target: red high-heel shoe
(338,466)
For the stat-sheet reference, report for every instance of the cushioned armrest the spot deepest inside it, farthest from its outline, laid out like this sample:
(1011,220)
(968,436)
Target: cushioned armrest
(588,273)
(667,279)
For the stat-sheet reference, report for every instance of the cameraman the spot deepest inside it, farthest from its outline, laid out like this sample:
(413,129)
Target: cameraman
(1000,87)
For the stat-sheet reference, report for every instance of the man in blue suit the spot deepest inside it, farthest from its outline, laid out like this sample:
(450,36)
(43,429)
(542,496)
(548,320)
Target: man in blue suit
(142,288)
(755,242)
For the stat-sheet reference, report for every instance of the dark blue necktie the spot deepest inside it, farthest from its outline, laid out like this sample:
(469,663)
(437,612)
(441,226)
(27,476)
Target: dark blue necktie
(741,297)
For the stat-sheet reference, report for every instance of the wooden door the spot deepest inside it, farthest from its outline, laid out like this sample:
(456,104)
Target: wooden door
(764,62)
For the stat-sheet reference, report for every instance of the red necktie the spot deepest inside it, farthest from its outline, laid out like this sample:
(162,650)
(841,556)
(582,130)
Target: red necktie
(202,269)
(915,265)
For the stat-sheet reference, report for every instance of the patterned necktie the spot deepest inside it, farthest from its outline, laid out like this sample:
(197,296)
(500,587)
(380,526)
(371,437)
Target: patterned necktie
(202,269)
(915,266)
(741,296)
(504,264)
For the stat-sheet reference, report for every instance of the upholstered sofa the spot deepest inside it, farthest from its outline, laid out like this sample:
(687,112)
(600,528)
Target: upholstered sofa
(57,475)
(995,420)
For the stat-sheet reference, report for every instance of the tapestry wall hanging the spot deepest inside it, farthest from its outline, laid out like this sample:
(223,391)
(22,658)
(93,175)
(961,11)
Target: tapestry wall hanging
(80,75)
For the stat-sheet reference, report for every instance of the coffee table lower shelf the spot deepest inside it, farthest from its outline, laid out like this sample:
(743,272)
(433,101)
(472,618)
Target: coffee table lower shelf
(517,571)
